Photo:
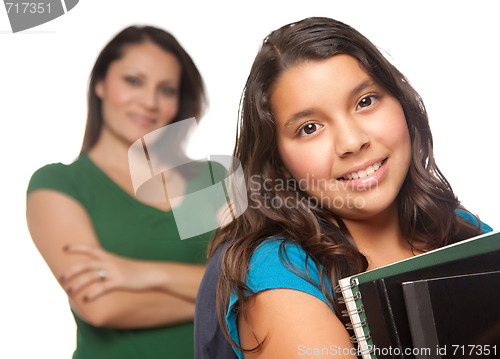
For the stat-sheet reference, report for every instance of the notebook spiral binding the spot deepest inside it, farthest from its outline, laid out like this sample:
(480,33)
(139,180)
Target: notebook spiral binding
(348,313)
(355,340)
(344,300)
(339,288)
(353,311)
(351,326)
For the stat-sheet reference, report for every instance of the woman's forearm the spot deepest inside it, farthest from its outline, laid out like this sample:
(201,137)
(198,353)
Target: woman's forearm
(132,293)
(170,301)
(105,272)
(134,310)
(179,279)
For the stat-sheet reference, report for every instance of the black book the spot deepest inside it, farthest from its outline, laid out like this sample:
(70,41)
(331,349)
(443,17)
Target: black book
(455,317)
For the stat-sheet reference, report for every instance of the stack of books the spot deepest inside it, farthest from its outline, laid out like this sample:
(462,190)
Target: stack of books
(441,304)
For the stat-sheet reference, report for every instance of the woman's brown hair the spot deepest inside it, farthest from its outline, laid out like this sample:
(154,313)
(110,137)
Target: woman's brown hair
(426,201)
(192,99)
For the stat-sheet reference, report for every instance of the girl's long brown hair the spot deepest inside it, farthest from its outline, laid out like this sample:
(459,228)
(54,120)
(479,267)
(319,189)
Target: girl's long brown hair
(426,201)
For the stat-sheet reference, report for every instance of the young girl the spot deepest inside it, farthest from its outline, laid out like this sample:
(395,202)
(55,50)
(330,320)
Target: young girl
(341,178)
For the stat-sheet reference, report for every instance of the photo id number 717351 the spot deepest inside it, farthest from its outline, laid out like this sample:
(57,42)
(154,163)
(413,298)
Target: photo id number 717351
(476,350)
(28,7)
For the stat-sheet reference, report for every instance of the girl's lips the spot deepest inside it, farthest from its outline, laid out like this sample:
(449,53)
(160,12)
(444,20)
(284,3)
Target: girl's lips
(353,172)
(367,182)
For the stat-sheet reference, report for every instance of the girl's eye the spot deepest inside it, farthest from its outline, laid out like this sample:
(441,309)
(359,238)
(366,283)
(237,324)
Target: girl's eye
(367,101)
(309,129)
(132,80)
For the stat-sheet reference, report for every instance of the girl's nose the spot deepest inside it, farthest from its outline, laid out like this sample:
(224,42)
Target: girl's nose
(350,138)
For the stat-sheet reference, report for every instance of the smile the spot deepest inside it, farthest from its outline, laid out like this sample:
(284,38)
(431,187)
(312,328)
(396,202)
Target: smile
(144,121)
(364,172)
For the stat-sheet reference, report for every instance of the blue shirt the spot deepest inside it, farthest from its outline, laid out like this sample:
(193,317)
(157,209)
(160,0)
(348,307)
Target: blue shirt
(271,268)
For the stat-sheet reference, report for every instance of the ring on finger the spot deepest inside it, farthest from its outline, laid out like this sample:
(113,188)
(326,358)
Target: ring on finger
(101,273)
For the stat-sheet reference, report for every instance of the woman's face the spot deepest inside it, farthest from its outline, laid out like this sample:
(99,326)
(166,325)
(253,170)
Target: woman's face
(140,92)
(342,136)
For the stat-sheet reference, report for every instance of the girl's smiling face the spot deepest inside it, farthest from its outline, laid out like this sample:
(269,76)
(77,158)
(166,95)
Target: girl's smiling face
(342,135)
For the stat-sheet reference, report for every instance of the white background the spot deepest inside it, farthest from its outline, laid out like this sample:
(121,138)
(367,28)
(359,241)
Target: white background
(447,49)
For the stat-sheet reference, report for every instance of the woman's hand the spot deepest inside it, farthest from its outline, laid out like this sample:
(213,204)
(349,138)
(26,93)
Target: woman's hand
(103,272)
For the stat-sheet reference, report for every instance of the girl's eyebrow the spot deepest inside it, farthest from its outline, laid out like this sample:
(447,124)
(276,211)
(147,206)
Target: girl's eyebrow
(296,117)
(362,86)
(299,115)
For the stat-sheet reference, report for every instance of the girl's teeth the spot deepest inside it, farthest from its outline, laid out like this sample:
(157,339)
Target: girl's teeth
(363,173)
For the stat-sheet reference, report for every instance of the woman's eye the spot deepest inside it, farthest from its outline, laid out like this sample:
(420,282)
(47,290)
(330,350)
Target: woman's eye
(168,91)
(309,129)
(134,81)
(367,101)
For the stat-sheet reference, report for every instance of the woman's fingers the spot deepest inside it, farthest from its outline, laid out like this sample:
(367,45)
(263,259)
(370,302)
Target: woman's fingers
(89,273)
(92,289)
(84,280)
(91,251)
(79,269)
(96,290)
(103,272)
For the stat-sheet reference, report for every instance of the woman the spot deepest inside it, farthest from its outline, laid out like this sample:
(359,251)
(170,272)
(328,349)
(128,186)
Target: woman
(131,281)
(341,178)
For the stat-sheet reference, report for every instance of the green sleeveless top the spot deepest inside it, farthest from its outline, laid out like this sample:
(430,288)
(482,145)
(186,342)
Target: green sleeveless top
(129,228)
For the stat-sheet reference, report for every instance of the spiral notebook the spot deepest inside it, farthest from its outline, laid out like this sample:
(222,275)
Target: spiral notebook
(375,301)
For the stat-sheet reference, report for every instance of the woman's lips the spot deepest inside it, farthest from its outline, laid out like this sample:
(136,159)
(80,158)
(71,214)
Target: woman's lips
(143,121)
